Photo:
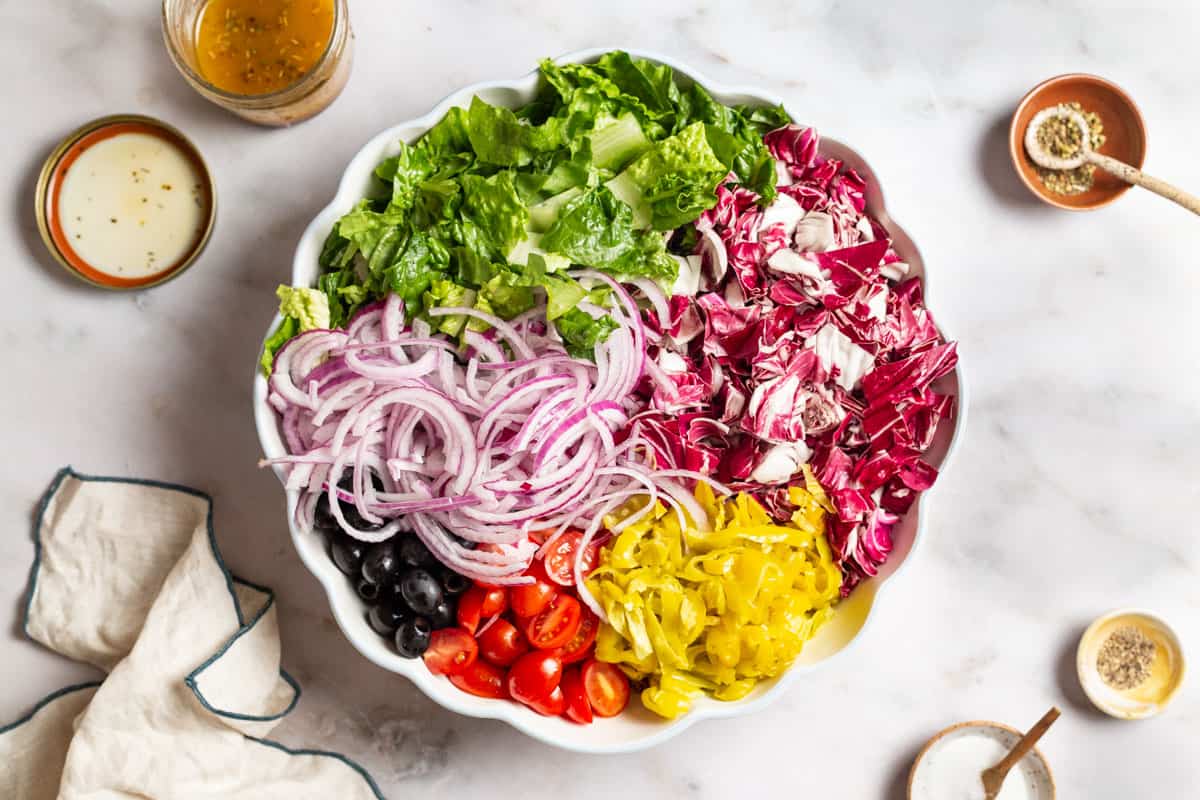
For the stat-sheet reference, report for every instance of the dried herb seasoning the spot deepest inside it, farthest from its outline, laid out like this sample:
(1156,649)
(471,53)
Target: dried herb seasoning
(1060,137)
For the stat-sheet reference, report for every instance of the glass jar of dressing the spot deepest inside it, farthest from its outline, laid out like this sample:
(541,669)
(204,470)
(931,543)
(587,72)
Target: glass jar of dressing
(273,62)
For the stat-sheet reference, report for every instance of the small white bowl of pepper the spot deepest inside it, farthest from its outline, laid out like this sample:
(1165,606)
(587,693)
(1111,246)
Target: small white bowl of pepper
(1130,664)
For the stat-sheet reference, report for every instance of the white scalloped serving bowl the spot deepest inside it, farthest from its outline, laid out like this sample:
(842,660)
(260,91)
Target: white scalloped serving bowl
(636,728)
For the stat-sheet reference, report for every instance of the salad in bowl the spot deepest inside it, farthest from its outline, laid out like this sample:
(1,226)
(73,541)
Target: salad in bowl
(604,400)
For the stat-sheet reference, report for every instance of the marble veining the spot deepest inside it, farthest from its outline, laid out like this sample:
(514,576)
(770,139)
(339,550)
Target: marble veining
(1073,491)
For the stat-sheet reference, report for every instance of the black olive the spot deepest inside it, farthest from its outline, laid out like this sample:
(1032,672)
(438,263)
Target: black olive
(421,591)
(380,563)
(355,520)
(385,618)
(347,553)
(367,591)
(465,544)
(349,510)
(443,616)
(347,480)
(412,637)
(322,517)
(454,584)
(413,552)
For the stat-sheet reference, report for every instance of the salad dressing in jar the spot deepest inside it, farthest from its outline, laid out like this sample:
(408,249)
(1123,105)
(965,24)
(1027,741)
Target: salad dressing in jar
(273,62)
(255,47)
(125,202)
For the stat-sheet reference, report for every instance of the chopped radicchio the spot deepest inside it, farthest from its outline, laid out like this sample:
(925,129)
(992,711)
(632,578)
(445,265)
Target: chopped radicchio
(805,342)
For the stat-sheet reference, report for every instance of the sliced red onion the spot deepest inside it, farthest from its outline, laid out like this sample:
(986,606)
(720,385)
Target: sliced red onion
(658,300)
(484,451)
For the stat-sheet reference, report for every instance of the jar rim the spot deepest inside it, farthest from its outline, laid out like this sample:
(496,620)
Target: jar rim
(277,97)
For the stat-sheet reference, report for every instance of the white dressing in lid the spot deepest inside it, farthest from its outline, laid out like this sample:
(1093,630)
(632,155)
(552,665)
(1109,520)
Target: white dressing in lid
(125,202)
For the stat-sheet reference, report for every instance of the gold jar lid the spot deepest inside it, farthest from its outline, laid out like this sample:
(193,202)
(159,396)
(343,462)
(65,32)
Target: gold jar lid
(128,208)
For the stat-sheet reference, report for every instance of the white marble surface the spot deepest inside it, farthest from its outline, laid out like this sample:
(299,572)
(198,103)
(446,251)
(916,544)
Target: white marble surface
(1073,492)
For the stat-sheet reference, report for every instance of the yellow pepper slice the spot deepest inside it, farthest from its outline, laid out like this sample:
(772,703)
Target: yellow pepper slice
(716,611)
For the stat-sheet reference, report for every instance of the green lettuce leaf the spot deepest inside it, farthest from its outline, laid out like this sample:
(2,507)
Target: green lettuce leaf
(678,177)
(493,205)
(423,260)
(652,84)
(448,294)
(303,309)
(451,135)
(498,137)
(563,294)
(507,294)
(581,332)
(309,307)
(596,230)
(735,135)
(286,330)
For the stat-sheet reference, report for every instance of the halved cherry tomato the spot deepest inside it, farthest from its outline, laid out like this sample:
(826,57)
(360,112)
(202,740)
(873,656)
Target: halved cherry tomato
(451,651)
(481,679)
(606,686)
(580,645)
(534,677)
(579,708)
(502,643)
(560,561)
(552,705)
(556,625)
(470,608)
(529,599)
(541,536)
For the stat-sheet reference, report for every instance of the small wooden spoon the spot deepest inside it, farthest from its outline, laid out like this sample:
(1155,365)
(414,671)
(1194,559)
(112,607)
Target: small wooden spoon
(1087,155)
(993,777)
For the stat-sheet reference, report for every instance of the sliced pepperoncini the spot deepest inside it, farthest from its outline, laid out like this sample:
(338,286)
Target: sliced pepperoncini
(714,612)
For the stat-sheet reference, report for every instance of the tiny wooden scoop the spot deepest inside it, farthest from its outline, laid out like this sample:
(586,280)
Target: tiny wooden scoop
(1087,155)
(993,777)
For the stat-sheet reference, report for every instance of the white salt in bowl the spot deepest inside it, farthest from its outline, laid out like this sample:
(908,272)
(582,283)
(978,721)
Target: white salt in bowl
(636,728)
(1031,778)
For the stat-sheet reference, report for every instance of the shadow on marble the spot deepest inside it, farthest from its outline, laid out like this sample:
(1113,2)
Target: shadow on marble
(1068,677)
(18,618)
(897,782)
(994,164)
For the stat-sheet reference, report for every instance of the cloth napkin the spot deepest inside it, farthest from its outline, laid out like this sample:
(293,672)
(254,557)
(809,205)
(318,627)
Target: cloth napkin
(128,577)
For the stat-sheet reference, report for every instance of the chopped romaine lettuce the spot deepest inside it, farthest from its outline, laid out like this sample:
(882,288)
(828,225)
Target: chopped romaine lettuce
(606,157)
(580,332)
(303,309)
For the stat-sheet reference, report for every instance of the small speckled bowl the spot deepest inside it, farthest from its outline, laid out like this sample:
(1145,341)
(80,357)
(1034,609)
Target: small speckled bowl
(1135,703)
(1124,130)
(1034,765)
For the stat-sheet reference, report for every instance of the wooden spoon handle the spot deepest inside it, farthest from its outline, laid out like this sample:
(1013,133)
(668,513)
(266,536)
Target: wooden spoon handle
(1029,739)
(1136,176)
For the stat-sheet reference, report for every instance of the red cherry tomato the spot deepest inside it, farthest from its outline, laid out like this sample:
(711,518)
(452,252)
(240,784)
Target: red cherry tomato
(481,679)
(556,625)
(606,686)
(552,705)
(580,645)
(530,598)
(560,561)
(451,651)
(579,708)
(534,677)
(502,643)
(470,608)
(495,601)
